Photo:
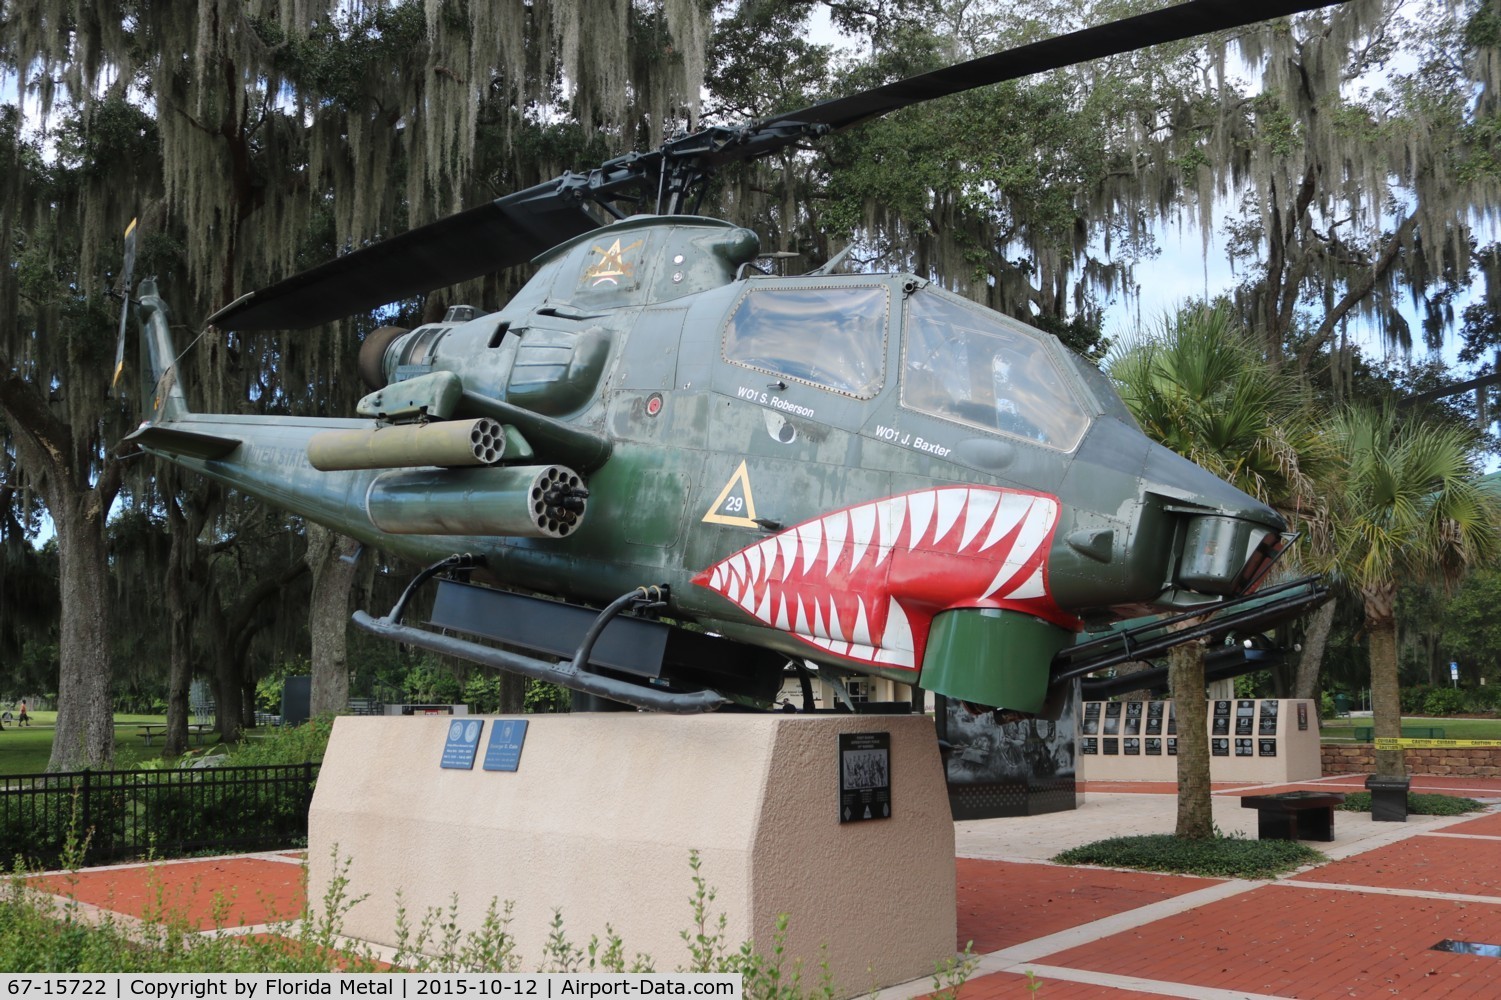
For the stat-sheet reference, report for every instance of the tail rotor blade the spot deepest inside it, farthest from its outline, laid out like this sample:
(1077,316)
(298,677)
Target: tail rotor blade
(123,290)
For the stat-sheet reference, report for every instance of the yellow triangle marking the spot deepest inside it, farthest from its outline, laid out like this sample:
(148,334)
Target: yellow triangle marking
(734,505)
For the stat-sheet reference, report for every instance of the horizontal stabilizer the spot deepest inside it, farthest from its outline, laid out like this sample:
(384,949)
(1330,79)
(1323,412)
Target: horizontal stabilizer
(180,442)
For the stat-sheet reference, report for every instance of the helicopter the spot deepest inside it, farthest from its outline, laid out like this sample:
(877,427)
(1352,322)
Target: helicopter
(659,475)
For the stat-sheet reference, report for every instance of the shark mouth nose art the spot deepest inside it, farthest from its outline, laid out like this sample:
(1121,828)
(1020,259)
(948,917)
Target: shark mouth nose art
(864,582)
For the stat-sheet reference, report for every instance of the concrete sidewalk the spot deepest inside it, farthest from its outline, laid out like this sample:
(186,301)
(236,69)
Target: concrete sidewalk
(1361,924)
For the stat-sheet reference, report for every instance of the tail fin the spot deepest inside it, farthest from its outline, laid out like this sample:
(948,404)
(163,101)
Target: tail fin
(158,360)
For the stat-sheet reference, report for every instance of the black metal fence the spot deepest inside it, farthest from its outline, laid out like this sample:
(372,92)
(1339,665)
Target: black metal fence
(117,815)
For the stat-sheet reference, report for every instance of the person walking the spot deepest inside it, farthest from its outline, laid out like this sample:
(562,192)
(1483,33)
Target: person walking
(23,719)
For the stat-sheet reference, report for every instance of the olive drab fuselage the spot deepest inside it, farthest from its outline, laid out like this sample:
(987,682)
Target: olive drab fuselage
(860,470)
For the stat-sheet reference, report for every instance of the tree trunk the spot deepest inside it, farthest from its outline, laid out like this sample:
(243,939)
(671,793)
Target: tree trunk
(78,496)
(185,521)
(1386,697)
(1306,684)
(1185,663)
(180,650)
(226,660)
(512,693)
(85,733)
(331,558)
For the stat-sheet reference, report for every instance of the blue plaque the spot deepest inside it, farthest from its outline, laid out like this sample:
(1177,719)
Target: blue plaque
(463,743)
(504,750)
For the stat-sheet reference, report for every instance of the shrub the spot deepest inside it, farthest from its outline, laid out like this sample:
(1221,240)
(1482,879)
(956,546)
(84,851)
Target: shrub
(1444,701)
(1418,804)
(1413,697)
(304,744)
(543,697)
(1482,699)
(1214,857)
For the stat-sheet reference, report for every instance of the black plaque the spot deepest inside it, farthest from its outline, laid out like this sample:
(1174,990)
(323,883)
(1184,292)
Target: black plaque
(1172,718)
(1154,719)
(1221,719)
(507,737)
(1244,747)
(1302,716)
(1172,746)
(462,744)
(864,776)
(1111,747)
(1154,746)
(1112,718)
(1133,746)
(1219,748)
(1245,717)
(1266,723)
(1133,718)
(1268,748)
(1092,719)
(1090,744)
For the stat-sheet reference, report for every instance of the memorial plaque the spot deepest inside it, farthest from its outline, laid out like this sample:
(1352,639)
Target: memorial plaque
(1154,746)
(1133,718)
(463,744)
(1112,718)
(1133,746)
(503,753)
(1267,723)
(864,776)
(1221,725)
(1172,718)
(1244,748)
(1090,744)
(1172,746)
(1219,748)
(1245,717)
(1154,719)
(1111,747)
(1092,719)
(1268,748)
(1302,716)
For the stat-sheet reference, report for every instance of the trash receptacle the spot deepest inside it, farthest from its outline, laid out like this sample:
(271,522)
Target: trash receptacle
(1341,706)
(1388,798)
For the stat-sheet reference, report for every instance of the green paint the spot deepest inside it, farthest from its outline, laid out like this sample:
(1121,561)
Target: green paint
(992,657)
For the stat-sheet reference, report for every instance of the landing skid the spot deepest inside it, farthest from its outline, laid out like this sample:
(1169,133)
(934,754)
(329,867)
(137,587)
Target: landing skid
(616,653)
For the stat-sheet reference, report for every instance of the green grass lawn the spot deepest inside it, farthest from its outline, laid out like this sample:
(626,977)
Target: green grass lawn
(1454,729)
(26,751)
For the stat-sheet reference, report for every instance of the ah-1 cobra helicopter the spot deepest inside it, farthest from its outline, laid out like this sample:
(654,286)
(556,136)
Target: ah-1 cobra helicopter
(859,471)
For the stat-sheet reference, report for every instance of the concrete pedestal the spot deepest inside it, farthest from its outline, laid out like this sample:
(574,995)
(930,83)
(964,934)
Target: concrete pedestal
(599,820)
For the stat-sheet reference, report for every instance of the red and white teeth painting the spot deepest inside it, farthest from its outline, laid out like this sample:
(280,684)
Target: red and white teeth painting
(864,582)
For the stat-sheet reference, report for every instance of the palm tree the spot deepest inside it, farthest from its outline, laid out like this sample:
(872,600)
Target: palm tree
(1201,387)
(1408,505)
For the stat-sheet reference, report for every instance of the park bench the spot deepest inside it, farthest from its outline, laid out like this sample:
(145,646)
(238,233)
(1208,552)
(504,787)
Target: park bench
(1364,734)
(1294,815)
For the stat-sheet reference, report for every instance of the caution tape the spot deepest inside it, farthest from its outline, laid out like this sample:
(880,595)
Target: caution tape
(1388,743)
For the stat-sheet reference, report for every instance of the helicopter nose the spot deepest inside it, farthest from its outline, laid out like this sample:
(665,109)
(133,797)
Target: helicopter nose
(1224,539)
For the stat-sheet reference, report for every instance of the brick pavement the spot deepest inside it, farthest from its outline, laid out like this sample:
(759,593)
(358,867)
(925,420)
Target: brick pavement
(1361,926)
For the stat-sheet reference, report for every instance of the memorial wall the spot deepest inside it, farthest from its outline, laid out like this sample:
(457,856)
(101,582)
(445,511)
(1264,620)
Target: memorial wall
(1250,739)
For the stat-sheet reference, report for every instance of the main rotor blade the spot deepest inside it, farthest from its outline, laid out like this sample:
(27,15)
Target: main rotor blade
(1171,24)
(123,288)
(518,227)
(508,231)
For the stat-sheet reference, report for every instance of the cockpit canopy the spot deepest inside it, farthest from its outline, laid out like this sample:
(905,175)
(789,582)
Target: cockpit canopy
(986,370)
